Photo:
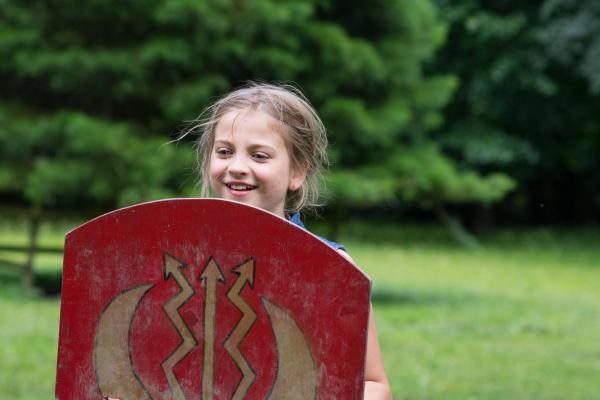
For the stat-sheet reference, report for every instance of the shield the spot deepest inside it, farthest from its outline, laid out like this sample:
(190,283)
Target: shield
(208,299)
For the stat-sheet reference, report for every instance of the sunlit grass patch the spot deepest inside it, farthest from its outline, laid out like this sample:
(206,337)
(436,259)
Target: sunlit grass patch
(502,321)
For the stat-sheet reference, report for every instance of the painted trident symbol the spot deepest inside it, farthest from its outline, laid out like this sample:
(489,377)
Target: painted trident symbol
(112,361)
(211,276)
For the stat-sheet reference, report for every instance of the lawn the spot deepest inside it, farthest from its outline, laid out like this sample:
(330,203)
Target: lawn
(517,318)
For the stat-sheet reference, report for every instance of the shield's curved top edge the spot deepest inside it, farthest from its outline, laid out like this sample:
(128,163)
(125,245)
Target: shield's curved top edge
(153,202)
(208,201)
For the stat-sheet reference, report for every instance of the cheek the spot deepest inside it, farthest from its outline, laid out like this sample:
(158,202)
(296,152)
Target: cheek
(214,166)
(213,173)
(270,172)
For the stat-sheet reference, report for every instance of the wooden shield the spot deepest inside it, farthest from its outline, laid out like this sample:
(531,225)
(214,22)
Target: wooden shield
(208,299)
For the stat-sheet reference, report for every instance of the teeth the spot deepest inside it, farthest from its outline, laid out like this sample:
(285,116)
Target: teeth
(240,187)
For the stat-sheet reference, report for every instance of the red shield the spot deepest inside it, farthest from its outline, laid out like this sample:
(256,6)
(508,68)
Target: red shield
(208,299)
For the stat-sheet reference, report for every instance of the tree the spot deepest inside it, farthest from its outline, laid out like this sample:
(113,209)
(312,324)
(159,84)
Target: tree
(528,101)
(89,92)
(380,120)
(63,143)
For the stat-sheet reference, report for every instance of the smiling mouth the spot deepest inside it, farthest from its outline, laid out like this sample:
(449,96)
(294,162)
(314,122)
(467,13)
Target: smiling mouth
(239,187)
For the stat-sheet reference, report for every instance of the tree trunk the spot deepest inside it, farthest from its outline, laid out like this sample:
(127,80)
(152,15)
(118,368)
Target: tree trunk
(456,228)
(483,223)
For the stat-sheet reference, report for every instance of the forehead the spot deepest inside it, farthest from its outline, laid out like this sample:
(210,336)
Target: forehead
(249,124)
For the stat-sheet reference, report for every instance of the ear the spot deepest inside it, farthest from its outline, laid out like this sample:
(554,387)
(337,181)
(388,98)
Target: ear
(297,178)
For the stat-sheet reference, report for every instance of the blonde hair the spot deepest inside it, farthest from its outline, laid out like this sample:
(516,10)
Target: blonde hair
(303,132)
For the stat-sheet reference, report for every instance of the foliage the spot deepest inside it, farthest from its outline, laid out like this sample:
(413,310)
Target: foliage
(91,91)
(528,101)
(571,36)
(442,182)
(70,159)
(377,134)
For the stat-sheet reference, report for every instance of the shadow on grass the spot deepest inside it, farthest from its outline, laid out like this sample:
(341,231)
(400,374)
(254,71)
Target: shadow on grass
(378,233)
(45,283)
(385,295)
(48,282)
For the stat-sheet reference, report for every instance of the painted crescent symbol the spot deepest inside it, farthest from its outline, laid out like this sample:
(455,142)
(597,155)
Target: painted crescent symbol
(112,361)
(296,377)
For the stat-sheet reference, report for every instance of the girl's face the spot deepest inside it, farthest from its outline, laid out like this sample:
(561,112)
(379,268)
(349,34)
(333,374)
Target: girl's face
(250,162)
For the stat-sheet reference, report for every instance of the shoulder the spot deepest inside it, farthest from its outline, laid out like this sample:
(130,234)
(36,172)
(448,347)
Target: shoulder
(345,254)
(296,220)
(336,246)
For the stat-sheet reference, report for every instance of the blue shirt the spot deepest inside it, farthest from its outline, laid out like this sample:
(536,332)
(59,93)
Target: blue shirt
(295,219)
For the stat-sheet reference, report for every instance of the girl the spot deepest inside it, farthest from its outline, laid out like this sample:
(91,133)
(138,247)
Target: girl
(264,145)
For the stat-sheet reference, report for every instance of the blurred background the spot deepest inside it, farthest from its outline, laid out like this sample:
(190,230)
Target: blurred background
(465,142)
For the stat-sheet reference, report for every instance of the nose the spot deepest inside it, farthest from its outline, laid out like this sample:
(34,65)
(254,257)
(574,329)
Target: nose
(238,166)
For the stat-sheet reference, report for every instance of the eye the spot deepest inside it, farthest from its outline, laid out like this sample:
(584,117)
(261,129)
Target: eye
(260,156)
(223,152)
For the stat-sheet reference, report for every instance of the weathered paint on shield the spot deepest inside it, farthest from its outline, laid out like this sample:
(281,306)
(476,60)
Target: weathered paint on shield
(208,299)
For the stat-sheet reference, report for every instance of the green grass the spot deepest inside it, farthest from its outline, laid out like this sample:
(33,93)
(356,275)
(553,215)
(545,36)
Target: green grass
(28,344)
(517,318)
